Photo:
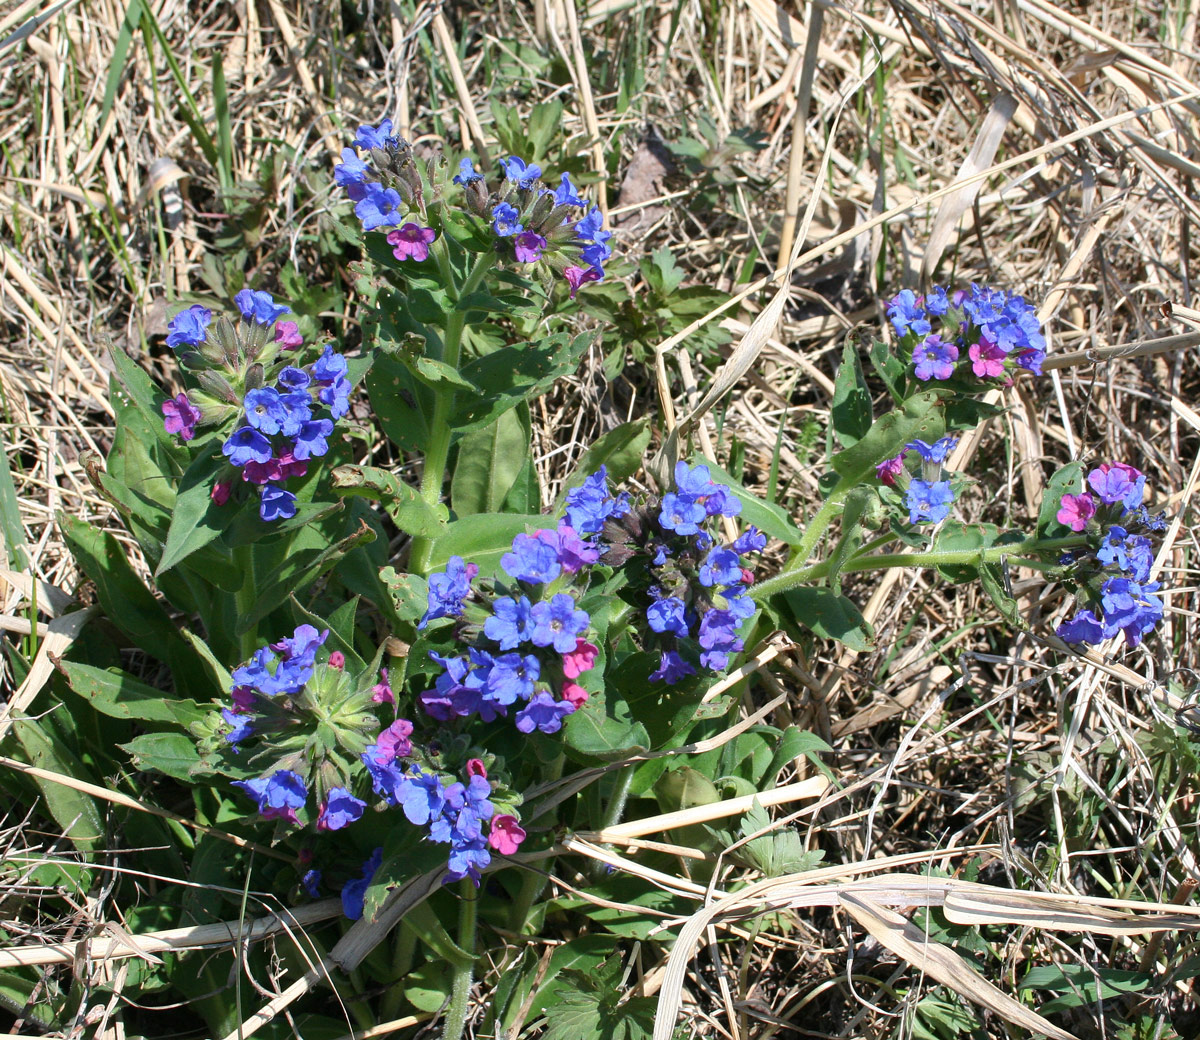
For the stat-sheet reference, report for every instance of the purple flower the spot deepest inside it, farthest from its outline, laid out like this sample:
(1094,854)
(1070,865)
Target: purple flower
(278,796)
(557,623)
(928,501)
(330,366)
(889,469)
(671,668)
(393,742)
(720,567)
(1075,511)
(510,623)
(533,559)
(180,416)
(337,397)
(566,194)
(504,220)
(458,691)
(186,329)
(935,358)
(589,505)
(543,713)
(987,359)
(310,441)
(246,444)
(411,241)
(351,174)
(287,335)
(718,637)
(259,306)
(668,615)
(528,246)
(522,175)
(374,137)
(1117,482)
(466,173)
(448,589)
(378,207)
(276,504)
(577,276)
(339,809)
(292,380)
(937,452)
(722,502)
(907,315)
(302,645)
(573,552)
(511,678)
(354,892)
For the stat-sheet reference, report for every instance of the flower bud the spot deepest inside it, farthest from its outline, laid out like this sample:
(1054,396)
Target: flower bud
(222,346)
(254,377)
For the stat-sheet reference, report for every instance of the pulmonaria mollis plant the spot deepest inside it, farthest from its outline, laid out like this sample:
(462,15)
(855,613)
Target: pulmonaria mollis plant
(279,411)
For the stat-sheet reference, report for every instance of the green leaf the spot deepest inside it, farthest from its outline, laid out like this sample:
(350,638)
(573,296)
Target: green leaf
(428,988)
(830,616)
(771,519)
(401,402)
(408,510)
(918,417)
(622,450)
(855,506)
(595,1008)
(75,812)
(409,592)
(145,397)
(489,461)
(1067,480)
(196,519)
(606,729)
(117,694)
(850,408)
(483,539)
(889,368)
(991,575)
(174,754)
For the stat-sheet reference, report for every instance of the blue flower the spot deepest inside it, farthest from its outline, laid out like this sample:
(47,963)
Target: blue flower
(589,505)
(245,445)
(752,540)
(354,892)
(279,795)
(337,397)
(310,441)
(937,452)
(907,314)
(533,559)
(721,567)
(259,306)
(276,504)
(668,615)
(936,302)
(1130,607)
(293,379)
(302,645)
(588,226)
(543,713)
(351,174)
(340,809)
(330,366)
(934,358)
(504,220)
(738,603)
(467,858)
(312,883)
(448,589)
(511,678)
(557,623)
(681,514)
(379,207)
(243,727)
(186,329)
(566,194)
(297,406)
(421,796)
(718,637)
(928,501)
(264,410)
(1085,627)
(522,175)
(466,173)
(374,137)
(510,622)
(671,668)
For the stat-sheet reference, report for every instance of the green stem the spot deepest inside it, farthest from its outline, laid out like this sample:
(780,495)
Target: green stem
(437,452)
(464,975)
(617,797)
(933,558)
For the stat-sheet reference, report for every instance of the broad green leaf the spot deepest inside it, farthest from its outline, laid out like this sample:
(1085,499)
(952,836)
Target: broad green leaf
(830,616)
(918,417)
(954,536)
(483,539)
(409,592)
(580,952)
(75,812)
(965,413)
(428,988)
(174,754)
(408,510)
(771,519)
(889,368)
(850,408)
(118,694)
(991,575)
(855,506)
(401,402)
(196,519)
(622,450)
(145,397)
(1067,480)
(489,461)
(605,728)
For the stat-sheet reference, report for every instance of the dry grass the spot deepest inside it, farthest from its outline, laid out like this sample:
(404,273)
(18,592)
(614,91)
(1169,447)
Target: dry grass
(1048,149)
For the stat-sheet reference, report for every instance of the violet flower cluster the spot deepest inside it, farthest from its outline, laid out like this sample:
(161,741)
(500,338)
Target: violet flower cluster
(527,221)
(929,496)
(1112,574)
(988,331)
(283,413)
(696,585)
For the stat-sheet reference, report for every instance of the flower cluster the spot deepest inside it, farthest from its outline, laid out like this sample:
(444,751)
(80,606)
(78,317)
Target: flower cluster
(929,496)
(528,221)
(275,404)
(696,585)
(1112,573)
(992,331)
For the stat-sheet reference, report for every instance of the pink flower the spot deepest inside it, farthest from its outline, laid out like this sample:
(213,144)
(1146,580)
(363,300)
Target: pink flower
(576,276)
(506,835)
(1076,511)
(180,416)
(889,469)
(573,552)
(243,699)
(411,241)
(574,694)
(747,576)
(475,767)
(987,359)
(290,466)
(528,246)
(287,335)
(393,742)
(579,660)
(337,660)
(220,491)
(381,692)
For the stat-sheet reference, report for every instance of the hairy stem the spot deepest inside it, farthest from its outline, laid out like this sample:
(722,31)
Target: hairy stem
(464,975)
